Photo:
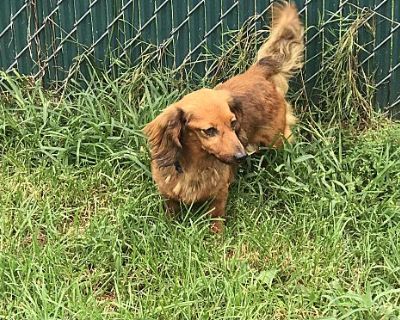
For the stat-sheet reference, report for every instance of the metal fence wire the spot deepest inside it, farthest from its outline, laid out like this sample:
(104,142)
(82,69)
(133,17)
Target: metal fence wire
(43,37)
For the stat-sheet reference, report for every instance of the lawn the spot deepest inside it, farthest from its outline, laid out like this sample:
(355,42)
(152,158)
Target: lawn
(313,230)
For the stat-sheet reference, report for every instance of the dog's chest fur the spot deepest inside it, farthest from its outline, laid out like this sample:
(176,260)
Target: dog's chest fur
(193,184)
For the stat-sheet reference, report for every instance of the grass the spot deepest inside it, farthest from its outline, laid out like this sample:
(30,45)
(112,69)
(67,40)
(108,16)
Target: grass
(313,230)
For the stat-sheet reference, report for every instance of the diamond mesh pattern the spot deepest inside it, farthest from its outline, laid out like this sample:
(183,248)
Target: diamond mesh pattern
(43,37)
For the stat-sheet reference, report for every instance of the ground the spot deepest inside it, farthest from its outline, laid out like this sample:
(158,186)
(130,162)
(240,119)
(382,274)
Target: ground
(313,231)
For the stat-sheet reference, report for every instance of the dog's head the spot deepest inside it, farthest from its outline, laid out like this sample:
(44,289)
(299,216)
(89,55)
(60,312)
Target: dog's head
(205,119)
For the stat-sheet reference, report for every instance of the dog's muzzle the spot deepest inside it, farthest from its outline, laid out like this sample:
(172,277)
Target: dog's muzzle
(240,156)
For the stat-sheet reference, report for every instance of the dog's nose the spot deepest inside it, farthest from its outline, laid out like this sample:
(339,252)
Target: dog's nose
(239,156)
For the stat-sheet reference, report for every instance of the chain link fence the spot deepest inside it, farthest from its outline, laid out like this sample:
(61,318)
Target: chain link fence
(44,38)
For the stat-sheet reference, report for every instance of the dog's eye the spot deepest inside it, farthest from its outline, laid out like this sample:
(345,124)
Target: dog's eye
(234,124)
(211,132)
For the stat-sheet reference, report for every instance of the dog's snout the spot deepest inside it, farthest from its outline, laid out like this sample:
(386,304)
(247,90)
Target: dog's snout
(239,156)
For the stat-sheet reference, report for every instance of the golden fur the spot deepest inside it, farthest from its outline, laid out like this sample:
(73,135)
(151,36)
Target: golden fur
(196,142)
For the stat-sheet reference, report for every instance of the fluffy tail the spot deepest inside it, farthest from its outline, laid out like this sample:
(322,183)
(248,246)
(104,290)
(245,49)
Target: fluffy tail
(285,44)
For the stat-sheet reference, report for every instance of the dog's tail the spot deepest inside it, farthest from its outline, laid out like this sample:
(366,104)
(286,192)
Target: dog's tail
(285,45)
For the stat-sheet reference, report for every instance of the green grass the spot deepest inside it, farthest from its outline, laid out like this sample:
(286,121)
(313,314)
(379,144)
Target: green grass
(313,231)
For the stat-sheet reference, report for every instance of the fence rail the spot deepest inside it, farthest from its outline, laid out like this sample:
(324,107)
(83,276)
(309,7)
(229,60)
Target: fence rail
(43,37)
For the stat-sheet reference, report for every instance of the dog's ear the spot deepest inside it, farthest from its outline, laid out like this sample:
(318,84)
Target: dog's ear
(235,104)
(164,134)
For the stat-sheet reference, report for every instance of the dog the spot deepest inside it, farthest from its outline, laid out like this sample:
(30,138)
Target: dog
(197,142)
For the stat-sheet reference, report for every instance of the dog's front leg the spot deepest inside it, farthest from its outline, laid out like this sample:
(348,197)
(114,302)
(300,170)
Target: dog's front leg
(172,207)
(218,211)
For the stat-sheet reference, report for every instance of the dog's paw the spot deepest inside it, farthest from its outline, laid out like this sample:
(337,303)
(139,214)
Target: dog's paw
(172,208)
(217,226)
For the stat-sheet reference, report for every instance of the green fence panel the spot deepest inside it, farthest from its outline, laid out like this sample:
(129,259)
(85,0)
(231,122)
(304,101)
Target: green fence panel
(43,38)
(245,9)
(7,52)
(213,25)
(383,42)
(197,29)
(181,30)
(19,30)
(366,41)
(164,27)
(395,66)
(313,13)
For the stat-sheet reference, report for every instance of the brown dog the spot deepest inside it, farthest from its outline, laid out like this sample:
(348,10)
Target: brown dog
(197,142)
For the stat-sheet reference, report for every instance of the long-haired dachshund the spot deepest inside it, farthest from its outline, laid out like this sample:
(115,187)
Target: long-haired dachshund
(197,142)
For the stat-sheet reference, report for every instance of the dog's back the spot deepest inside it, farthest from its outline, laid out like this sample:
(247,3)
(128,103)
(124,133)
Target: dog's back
(260,91)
